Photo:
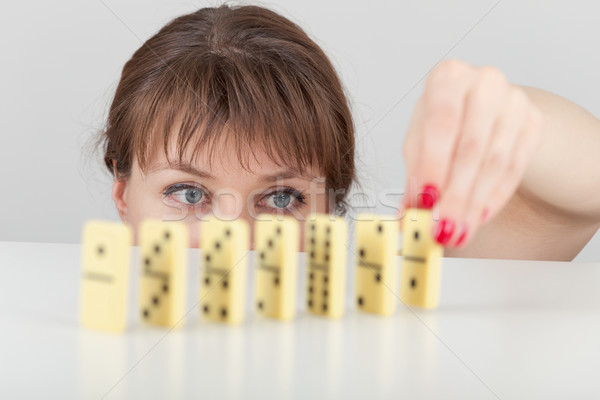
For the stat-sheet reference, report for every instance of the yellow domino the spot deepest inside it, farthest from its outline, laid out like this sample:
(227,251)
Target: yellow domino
(105,281)
(276,243)
(422,258)
(163,252)
(223,287)
(376,242)
(326,245)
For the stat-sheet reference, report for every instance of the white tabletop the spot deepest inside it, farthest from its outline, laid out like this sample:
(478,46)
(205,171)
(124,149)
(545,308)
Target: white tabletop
(504,329)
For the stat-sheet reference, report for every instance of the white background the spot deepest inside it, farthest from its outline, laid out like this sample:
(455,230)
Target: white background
(61,62)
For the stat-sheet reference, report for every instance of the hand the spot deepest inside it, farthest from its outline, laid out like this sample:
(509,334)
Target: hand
(471,137)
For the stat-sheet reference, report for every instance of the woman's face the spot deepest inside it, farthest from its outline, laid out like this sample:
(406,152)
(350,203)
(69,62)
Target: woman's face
(191,191)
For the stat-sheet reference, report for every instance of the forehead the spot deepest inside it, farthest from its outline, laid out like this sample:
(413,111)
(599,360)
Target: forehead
(222,159)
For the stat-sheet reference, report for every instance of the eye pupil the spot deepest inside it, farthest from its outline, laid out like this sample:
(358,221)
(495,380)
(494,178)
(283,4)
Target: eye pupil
(281,200)
(193,196)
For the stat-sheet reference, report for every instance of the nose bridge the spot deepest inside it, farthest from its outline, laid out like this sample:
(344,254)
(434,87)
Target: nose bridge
(228,203)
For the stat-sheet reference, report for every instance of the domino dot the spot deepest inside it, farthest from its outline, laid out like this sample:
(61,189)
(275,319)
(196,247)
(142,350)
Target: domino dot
(328,230)
(157,249)
(217,245)
(225,284)
(205,309)
(262,255)
(310,303)
(378,277)
(270,243)
(312,254)
(326,257)
(227,232)
(362,252)
(312,227)
(327,243)
(207,258)
(312,240)
(325,293)
(167,235)
(324,307)
(380,228)
(416,235)
(276,281)
(155,300)
(260,305)
(325,279)
(165,288)
(224,312)
(100,250)
(278,231)
(310,289)
(413,283)
(311,276)
(207,281)
(145,313)
(360,301)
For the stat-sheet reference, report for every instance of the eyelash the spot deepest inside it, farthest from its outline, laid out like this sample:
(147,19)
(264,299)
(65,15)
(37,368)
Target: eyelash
(298,202)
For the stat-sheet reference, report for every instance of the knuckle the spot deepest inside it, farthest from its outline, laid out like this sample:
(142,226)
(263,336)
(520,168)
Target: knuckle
(487,89)
(517,98)
(469,149)
(491,76)
(448,69)
(515,168)
(441,117)
(536,119)
(496,161)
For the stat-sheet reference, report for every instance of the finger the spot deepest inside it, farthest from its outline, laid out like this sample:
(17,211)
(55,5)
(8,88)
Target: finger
(486,100)
(494,165)
(410,152)
(527,143)
(443,109)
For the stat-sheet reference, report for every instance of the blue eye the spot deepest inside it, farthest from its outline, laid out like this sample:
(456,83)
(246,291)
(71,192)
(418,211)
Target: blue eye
(283,199)
(192,196)
(184,193)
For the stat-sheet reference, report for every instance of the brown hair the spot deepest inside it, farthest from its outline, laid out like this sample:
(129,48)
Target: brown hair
(245,72)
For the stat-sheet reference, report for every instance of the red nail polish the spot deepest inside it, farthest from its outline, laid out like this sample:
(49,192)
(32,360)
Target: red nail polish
(462,237)
(428,197)
(443,231)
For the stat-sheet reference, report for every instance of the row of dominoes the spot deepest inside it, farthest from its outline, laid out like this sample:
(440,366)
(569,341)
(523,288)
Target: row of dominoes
(163,254)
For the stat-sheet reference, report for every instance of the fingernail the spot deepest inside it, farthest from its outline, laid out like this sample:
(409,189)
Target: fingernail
(485,214)
(443,231)
(462,236)
(428,197)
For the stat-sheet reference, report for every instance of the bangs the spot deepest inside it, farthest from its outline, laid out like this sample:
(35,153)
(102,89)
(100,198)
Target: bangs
(244,78)
(239,100)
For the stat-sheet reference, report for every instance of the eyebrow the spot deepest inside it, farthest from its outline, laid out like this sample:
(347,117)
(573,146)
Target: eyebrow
(183,167)
(285,174)
(188,168)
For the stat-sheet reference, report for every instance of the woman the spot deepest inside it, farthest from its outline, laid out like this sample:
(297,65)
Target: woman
(236,111)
